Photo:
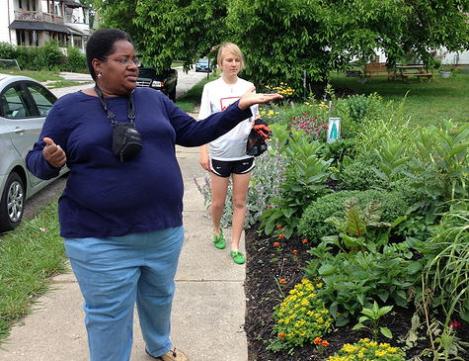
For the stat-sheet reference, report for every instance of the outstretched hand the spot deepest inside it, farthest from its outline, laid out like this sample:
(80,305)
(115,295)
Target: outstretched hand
(53,153)
(251,98)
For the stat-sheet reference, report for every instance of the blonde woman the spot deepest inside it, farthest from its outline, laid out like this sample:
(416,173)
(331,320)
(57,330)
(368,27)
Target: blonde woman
(226,156)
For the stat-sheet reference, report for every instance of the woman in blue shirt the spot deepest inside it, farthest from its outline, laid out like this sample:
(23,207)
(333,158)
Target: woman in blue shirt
(121,211)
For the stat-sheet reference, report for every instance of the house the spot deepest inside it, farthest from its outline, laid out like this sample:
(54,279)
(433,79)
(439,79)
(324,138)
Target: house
(34,22)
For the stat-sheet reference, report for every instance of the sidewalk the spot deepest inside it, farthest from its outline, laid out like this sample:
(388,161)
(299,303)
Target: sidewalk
(208,311)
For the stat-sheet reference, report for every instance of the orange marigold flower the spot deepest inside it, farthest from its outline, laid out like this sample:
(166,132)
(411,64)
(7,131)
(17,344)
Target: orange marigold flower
(305,241)
(282,335)
(324,343)
(281,236)
(282,281)
(277,244)
(317,340)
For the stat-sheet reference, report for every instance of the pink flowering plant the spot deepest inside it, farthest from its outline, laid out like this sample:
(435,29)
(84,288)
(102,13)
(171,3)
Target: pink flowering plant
(312,125)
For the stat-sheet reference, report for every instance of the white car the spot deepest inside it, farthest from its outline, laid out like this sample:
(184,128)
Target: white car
(24,104)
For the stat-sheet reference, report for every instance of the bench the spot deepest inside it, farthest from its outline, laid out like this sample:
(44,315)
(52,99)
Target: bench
(377,69)
(412,70)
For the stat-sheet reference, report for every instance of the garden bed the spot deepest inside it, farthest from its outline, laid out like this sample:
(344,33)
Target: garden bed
(267,269)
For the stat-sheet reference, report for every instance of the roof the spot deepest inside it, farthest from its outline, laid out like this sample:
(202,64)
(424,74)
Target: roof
(39,25)
(74,31)
(77,30)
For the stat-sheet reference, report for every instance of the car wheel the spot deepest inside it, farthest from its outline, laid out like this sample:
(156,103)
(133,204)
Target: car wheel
(12,202)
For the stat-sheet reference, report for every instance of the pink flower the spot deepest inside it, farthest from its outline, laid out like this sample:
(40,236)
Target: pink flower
(455,325)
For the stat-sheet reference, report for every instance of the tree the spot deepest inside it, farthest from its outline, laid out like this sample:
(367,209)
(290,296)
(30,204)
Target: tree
(288,38)
(291,40)
(168,30)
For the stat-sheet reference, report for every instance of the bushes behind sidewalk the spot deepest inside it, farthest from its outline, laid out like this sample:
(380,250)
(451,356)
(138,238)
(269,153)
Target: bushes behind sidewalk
(47,57)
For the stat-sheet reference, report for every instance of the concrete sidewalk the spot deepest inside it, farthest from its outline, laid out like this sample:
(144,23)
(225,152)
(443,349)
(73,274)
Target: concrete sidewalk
(208,311)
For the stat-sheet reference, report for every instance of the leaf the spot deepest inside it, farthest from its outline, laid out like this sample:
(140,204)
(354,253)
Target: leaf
(341,321)
(363,319)
(383,295)
(369,313)
(358,326)
(386,332)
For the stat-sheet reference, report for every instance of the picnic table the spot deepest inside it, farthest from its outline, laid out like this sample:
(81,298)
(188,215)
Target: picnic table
(405,71)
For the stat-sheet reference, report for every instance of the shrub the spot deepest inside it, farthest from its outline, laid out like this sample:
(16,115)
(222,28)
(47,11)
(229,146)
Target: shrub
(446,258)
(354,280)
(76,61)
(366,350)
(312,224)
(26,57)
(301,317)
(7,51)
(304,180)
(361,106)
(50,57)
(360,175)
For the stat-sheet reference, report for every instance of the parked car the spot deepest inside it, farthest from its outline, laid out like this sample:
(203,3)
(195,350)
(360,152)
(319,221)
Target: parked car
(165,81)
(24,104)
(203,65)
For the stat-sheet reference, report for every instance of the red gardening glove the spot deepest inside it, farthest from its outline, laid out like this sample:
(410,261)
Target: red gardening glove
(261,128)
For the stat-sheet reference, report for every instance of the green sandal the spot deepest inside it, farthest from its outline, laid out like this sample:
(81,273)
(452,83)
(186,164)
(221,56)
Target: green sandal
(237,257)
(219,241)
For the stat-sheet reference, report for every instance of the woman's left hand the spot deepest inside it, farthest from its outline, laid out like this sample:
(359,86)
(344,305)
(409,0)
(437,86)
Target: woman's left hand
(251,98)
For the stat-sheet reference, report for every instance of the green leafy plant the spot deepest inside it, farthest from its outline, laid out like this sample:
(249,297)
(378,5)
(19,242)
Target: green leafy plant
(441,165)
(372,316)
(303,181)
(359,229)
(366,350)
(359,106)
(301,317)
(446,258)
(353,280)
(313,226)
(445,344)
(360,174)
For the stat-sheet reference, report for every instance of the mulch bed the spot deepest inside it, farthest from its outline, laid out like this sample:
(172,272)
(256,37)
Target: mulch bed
(265,265)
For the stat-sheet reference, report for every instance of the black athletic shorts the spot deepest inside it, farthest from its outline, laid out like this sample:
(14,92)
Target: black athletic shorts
(224,168)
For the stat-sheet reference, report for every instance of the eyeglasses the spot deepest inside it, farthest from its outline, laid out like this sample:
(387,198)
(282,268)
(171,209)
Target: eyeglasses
(127,61)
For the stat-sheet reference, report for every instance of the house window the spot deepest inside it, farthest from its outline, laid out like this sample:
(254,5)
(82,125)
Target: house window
(78,42)
(21,37)
(27,38)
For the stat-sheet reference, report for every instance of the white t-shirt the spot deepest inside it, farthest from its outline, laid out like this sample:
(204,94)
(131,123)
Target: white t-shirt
(216,97)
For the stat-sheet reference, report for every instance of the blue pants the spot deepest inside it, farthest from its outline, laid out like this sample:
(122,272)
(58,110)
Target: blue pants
(113,274)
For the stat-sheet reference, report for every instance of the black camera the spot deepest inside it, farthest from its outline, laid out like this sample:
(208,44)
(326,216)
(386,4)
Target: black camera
(126,141)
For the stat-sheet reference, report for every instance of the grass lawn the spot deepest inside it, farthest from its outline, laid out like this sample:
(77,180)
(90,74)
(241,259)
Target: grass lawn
(56,81)
(29,256)
(191,100)
(428,102)
(39,75)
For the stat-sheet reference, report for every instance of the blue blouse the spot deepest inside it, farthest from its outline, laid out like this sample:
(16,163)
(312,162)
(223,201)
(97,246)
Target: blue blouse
(105,197)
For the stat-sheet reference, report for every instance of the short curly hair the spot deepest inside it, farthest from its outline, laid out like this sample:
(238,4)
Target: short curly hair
(101,44)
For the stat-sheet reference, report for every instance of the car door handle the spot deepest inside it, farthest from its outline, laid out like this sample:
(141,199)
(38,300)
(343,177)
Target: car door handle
(19,130)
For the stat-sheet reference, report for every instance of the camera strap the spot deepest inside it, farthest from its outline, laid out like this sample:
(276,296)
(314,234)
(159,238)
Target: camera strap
(109,114)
